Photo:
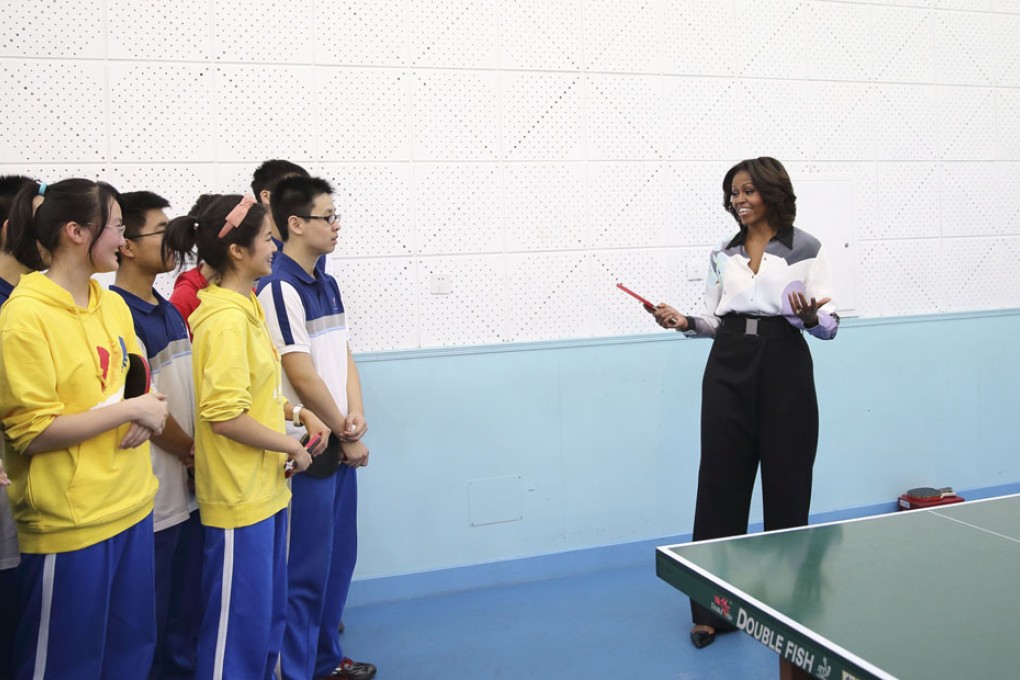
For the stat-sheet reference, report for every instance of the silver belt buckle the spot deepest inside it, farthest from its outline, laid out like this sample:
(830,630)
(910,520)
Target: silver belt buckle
(751,327)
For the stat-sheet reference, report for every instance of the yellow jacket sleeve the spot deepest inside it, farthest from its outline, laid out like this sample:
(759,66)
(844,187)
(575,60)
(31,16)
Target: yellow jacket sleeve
(226,379)
(28,397)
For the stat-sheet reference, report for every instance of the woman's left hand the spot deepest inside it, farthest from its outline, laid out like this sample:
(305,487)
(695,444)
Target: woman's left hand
(807,311)
(136,435)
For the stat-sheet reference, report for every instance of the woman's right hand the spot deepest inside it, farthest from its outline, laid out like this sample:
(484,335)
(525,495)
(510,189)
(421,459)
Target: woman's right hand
(150,411)
(668,317)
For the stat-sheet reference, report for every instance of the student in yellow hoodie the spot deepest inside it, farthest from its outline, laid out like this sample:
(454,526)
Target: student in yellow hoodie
(242,452)
(78,456)
(11,271)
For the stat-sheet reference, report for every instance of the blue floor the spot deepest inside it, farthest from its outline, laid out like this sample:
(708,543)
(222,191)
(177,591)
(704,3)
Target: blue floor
(592,614)
(618,623)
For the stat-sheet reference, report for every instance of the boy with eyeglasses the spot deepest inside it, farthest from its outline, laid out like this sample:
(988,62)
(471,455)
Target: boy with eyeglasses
(164,337)
(305,315)
(264,181)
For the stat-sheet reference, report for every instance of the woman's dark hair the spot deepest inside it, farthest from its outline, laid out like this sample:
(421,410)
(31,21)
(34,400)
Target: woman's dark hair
(40,218)
(200,230)
(773,183)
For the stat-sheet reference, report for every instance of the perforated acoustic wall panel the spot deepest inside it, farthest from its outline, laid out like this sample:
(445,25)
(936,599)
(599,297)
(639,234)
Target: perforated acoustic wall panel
(500,165)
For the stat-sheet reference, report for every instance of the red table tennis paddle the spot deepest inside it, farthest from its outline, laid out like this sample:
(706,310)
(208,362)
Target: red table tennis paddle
(648,305)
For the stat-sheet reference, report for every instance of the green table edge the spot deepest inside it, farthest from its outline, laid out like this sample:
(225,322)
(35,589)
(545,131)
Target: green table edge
(828,660)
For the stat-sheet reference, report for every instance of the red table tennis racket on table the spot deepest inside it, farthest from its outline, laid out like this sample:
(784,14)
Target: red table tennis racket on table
(927,497)
(929,493)
(648,305)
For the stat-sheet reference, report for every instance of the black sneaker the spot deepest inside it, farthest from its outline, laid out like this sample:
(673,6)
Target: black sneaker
(351,670)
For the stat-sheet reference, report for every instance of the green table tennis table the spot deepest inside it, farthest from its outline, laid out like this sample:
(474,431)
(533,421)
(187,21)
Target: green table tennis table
(926,594)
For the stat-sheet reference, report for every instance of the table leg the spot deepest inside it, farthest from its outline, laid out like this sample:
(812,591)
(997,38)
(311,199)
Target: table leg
(787,671)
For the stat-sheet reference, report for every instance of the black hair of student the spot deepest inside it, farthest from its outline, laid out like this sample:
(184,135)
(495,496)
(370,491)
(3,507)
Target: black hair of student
(10,185)
(69,200)
(295,196)
(136,204)
(200,231)
(201,203)
(269,174)
(773,183)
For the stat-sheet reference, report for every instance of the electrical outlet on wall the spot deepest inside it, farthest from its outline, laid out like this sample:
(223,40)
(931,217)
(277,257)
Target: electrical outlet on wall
(440,284)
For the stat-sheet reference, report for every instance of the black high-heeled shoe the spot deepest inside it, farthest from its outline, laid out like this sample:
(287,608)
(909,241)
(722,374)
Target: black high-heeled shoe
(702,638)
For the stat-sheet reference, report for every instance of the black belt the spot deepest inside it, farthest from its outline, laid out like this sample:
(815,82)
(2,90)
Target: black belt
(768,326)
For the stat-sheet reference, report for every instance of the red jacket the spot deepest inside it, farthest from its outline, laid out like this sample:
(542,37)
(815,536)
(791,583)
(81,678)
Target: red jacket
(185,295)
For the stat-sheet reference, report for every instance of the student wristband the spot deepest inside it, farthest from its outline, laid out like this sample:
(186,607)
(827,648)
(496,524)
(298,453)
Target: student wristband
(296,415)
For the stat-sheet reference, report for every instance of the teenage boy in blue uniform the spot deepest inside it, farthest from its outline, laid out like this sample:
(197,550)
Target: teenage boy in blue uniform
(178,531)
(305,315)
(263,182)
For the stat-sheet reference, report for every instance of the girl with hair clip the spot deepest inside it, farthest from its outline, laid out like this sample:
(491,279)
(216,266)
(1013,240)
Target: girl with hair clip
(82,484)
(242,453)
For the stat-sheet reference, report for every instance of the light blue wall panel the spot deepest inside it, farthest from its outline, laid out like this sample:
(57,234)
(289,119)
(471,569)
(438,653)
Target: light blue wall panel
(605,435)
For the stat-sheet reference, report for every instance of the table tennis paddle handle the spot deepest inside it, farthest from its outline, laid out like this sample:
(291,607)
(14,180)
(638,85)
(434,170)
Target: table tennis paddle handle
(647,305)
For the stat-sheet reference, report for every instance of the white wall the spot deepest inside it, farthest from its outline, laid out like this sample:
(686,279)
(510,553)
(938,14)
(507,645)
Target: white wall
(535,152)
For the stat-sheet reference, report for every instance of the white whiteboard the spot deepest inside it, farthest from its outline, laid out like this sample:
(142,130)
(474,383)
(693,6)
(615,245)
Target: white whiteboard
(827,208)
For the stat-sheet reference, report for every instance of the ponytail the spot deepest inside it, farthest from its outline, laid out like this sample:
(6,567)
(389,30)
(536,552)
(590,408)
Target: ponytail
(21,241)
(200,230)
(179,239)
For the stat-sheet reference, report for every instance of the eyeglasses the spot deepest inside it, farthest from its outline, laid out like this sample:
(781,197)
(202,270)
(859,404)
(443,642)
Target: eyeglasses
(328,219)
(138,236)
(119,228)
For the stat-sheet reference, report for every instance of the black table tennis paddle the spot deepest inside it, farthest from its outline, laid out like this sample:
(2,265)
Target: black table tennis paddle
(327,462)
(139,379)
(927,493)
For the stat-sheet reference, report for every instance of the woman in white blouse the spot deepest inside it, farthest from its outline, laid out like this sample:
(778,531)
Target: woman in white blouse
(766,285)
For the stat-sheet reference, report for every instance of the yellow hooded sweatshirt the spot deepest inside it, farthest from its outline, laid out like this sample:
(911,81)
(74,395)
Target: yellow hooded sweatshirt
(237,370)
(59,359)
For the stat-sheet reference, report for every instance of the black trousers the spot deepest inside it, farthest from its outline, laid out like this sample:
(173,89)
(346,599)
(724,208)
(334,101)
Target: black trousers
(758,406)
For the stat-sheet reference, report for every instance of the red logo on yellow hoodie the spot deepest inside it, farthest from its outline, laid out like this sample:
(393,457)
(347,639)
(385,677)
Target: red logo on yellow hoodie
(104,364)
